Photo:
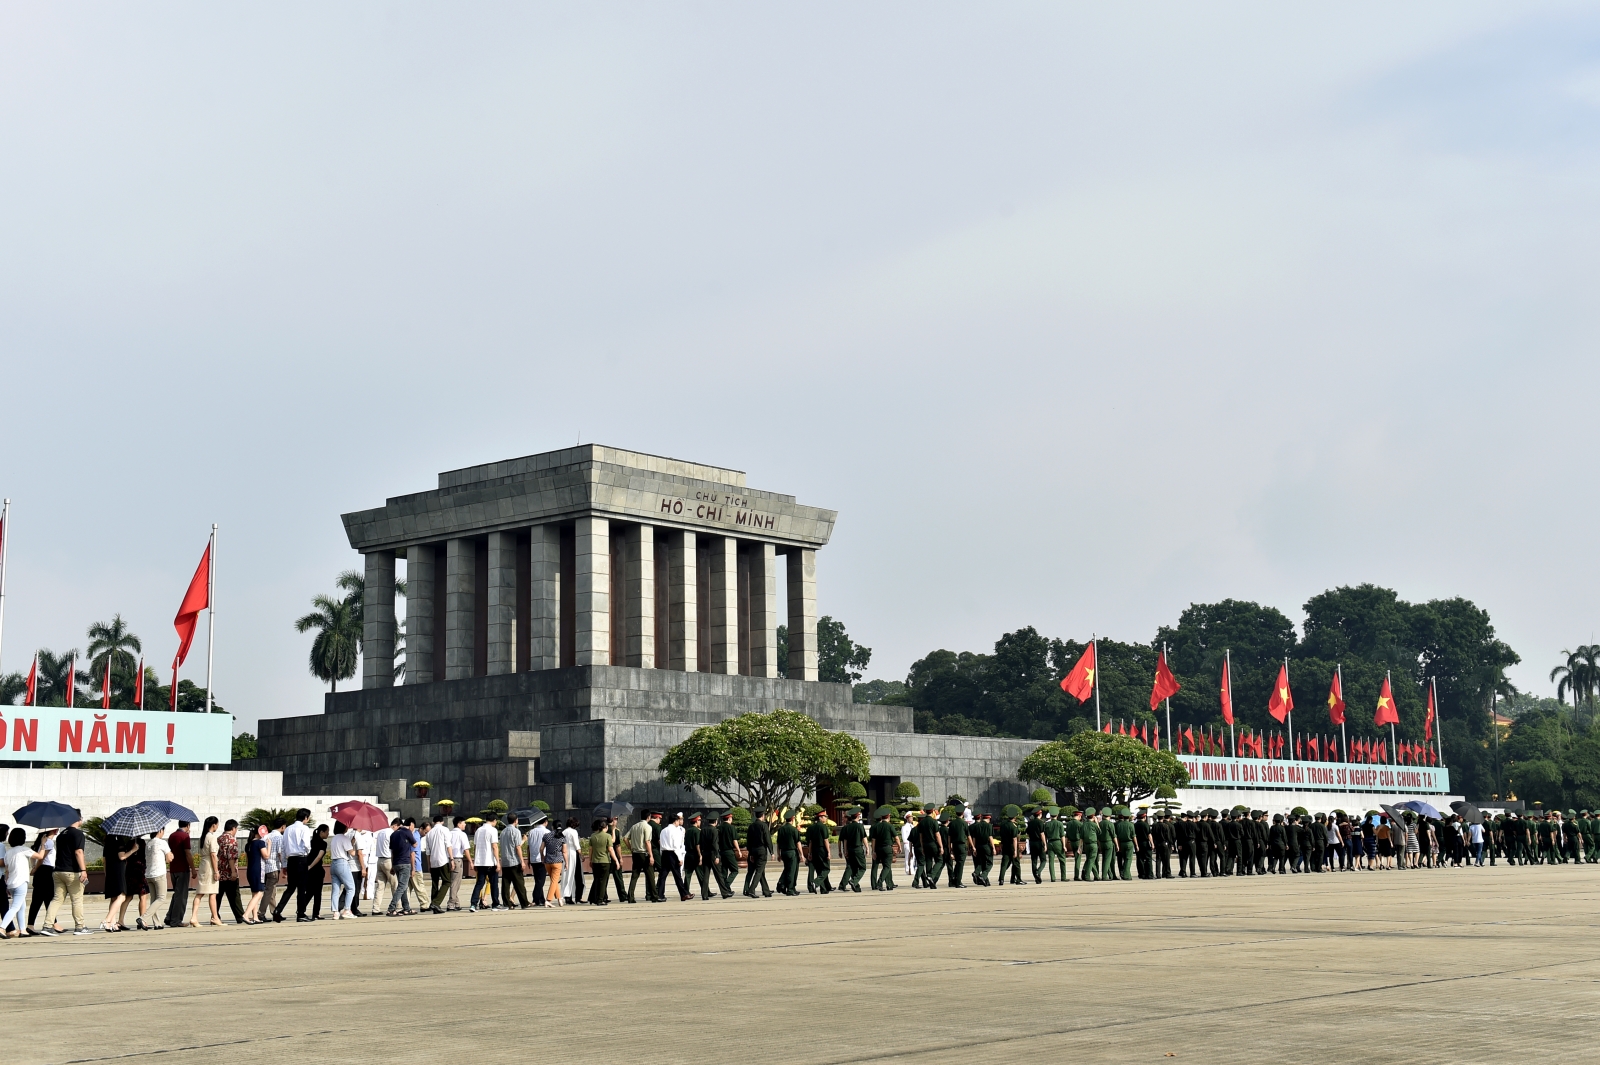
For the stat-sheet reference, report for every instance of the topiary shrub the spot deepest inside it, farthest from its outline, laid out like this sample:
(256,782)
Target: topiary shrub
(741,817)
(907,790)
(854,790)
(1041,795)
(955,800)
(540,804)
(499,806)
(1299,811)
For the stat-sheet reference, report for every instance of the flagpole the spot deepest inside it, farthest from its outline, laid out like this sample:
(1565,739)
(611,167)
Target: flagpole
(1393,750)
(5,544)
(1438,722)
(1344,739)
(1168,700)
(1227,666)
(211,615)
(1094,641)
(1289,713)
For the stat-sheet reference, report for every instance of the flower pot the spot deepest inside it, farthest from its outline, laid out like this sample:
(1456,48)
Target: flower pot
(422,791)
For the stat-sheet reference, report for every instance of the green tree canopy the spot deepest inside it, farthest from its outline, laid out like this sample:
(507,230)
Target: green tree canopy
(764,760)
(839,660)
(1108,769)
(337,644)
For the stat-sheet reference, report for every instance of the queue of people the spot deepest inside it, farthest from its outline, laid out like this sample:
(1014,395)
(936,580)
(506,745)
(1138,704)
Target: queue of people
(535,864)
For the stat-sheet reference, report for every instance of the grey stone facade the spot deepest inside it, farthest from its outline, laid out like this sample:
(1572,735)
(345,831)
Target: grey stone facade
(572,615)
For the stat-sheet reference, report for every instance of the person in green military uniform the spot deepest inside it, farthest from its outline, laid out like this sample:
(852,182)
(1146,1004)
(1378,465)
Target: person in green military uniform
(982,836)
(727,854)
(930,861)
(1091,844)
(958,836)
(1108,844)
(853,845)
(883,838)
(787,840)
(1123,830)
(1072,832)
(817,858)
(1038,849)
(1591,847)
(757,844)
(1005,837)
(1054,853)
(691,851)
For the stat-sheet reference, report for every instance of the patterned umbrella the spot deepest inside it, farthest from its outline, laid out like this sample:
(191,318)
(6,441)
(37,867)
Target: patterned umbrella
(360,815)
(135,820)
(44,815)
(175,811)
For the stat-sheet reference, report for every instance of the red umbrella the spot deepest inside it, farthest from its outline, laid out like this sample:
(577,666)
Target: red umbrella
(360,815)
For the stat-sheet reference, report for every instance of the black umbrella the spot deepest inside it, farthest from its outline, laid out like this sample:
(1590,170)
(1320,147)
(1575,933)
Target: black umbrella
(1471,813)
(616,809)
(43,815)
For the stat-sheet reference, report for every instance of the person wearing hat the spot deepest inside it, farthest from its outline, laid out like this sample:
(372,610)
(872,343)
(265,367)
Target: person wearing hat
(957,835)
(1123,828)
(1163,837)
(727,854)
(1143,848)
(1591,847)
(757,843)
(1089,843)
(853,845)
(669,859)
(691,851)
(1108,844)
(788,843)
(1005,838)
(883,842)
(1055,854)
(1073,832)
(819,862)
(710,856)
(921,862)
(982,836)
(1038,848)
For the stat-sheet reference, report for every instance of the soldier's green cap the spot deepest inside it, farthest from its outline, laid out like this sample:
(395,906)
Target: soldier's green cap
(884,811)
(694,816)
(1122,811)
(929,808)
(1052,810)
(788,815)
(1572,813)
(1088,811)
(1011,810)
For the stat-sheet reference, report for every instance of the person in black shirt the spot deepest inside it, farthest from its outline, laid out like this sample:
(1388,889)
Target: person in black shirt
(758,841)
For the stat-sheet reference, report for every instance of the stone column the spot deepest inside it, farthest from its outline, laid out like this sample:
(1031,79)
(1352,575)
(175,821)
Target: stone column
(377,627)
(460,608)
(684,569)
(420,583)
(544,573)
(593,580)
(502,613)
(724,605)
(802,613)
(763,612)
(639,551)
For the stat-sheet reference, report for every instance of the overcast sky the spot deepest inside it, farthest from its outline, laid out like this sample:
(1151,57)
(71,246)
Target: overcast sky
(1075,314)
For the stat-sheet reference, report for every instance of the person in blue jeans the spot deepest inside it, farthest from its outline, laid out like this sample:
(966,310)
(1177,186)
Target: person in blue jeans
(402,847)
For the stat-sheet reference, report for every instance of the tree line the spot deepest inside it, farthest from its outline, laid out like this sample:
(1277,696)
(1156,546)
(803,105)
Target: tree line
(1014,690)
(84,675)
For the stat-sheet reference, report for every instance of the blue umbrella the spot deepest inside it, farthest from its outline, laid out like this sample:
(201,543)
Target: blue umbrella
(1420,808)
(135,820)
(175,811)
(43,815)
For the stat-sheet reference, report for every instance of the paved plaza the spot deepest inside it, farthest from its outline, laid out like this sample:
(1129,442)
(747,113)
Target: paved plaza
(1496,965)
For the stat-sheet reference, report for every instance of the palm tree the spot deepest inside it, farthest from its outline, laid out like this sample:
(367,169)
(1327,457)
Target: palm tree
(117,642)
(53,676)
(1588,657)
(354,583)
(1569,679)
(338,641)
(12,687)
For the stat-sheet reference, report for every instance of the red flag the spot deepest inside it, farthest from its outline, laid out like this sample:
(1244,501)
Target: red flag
(1188,738)
(1155,736)
(1433,756)
(1107,729)
(1166,684)
(105,686)
(1079,681)
(1383,751)
(1299,748)
(32,698)
(1386,715)
(1281,702)
(1427,722)
(1311,745)
(195,599)
(1336,700)
(72,680)
(138,686)
(1227,693)
(1122,730)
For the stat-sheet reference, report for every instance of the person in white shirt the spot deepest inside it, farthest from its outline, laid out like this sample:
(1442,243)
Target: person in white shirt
(511,864)
(271,870)
(536,834)
(296,849)
(436,844)
(458,862)
(385,857)
(20,860)
(486,864)
(157,854)
(671,859)
(343,856)
(906,848)
(571,873)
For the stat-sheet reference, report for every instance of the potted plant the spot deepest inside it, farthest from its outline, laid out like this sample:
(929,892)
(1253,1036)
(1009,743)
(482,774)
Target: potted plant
(422,787)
